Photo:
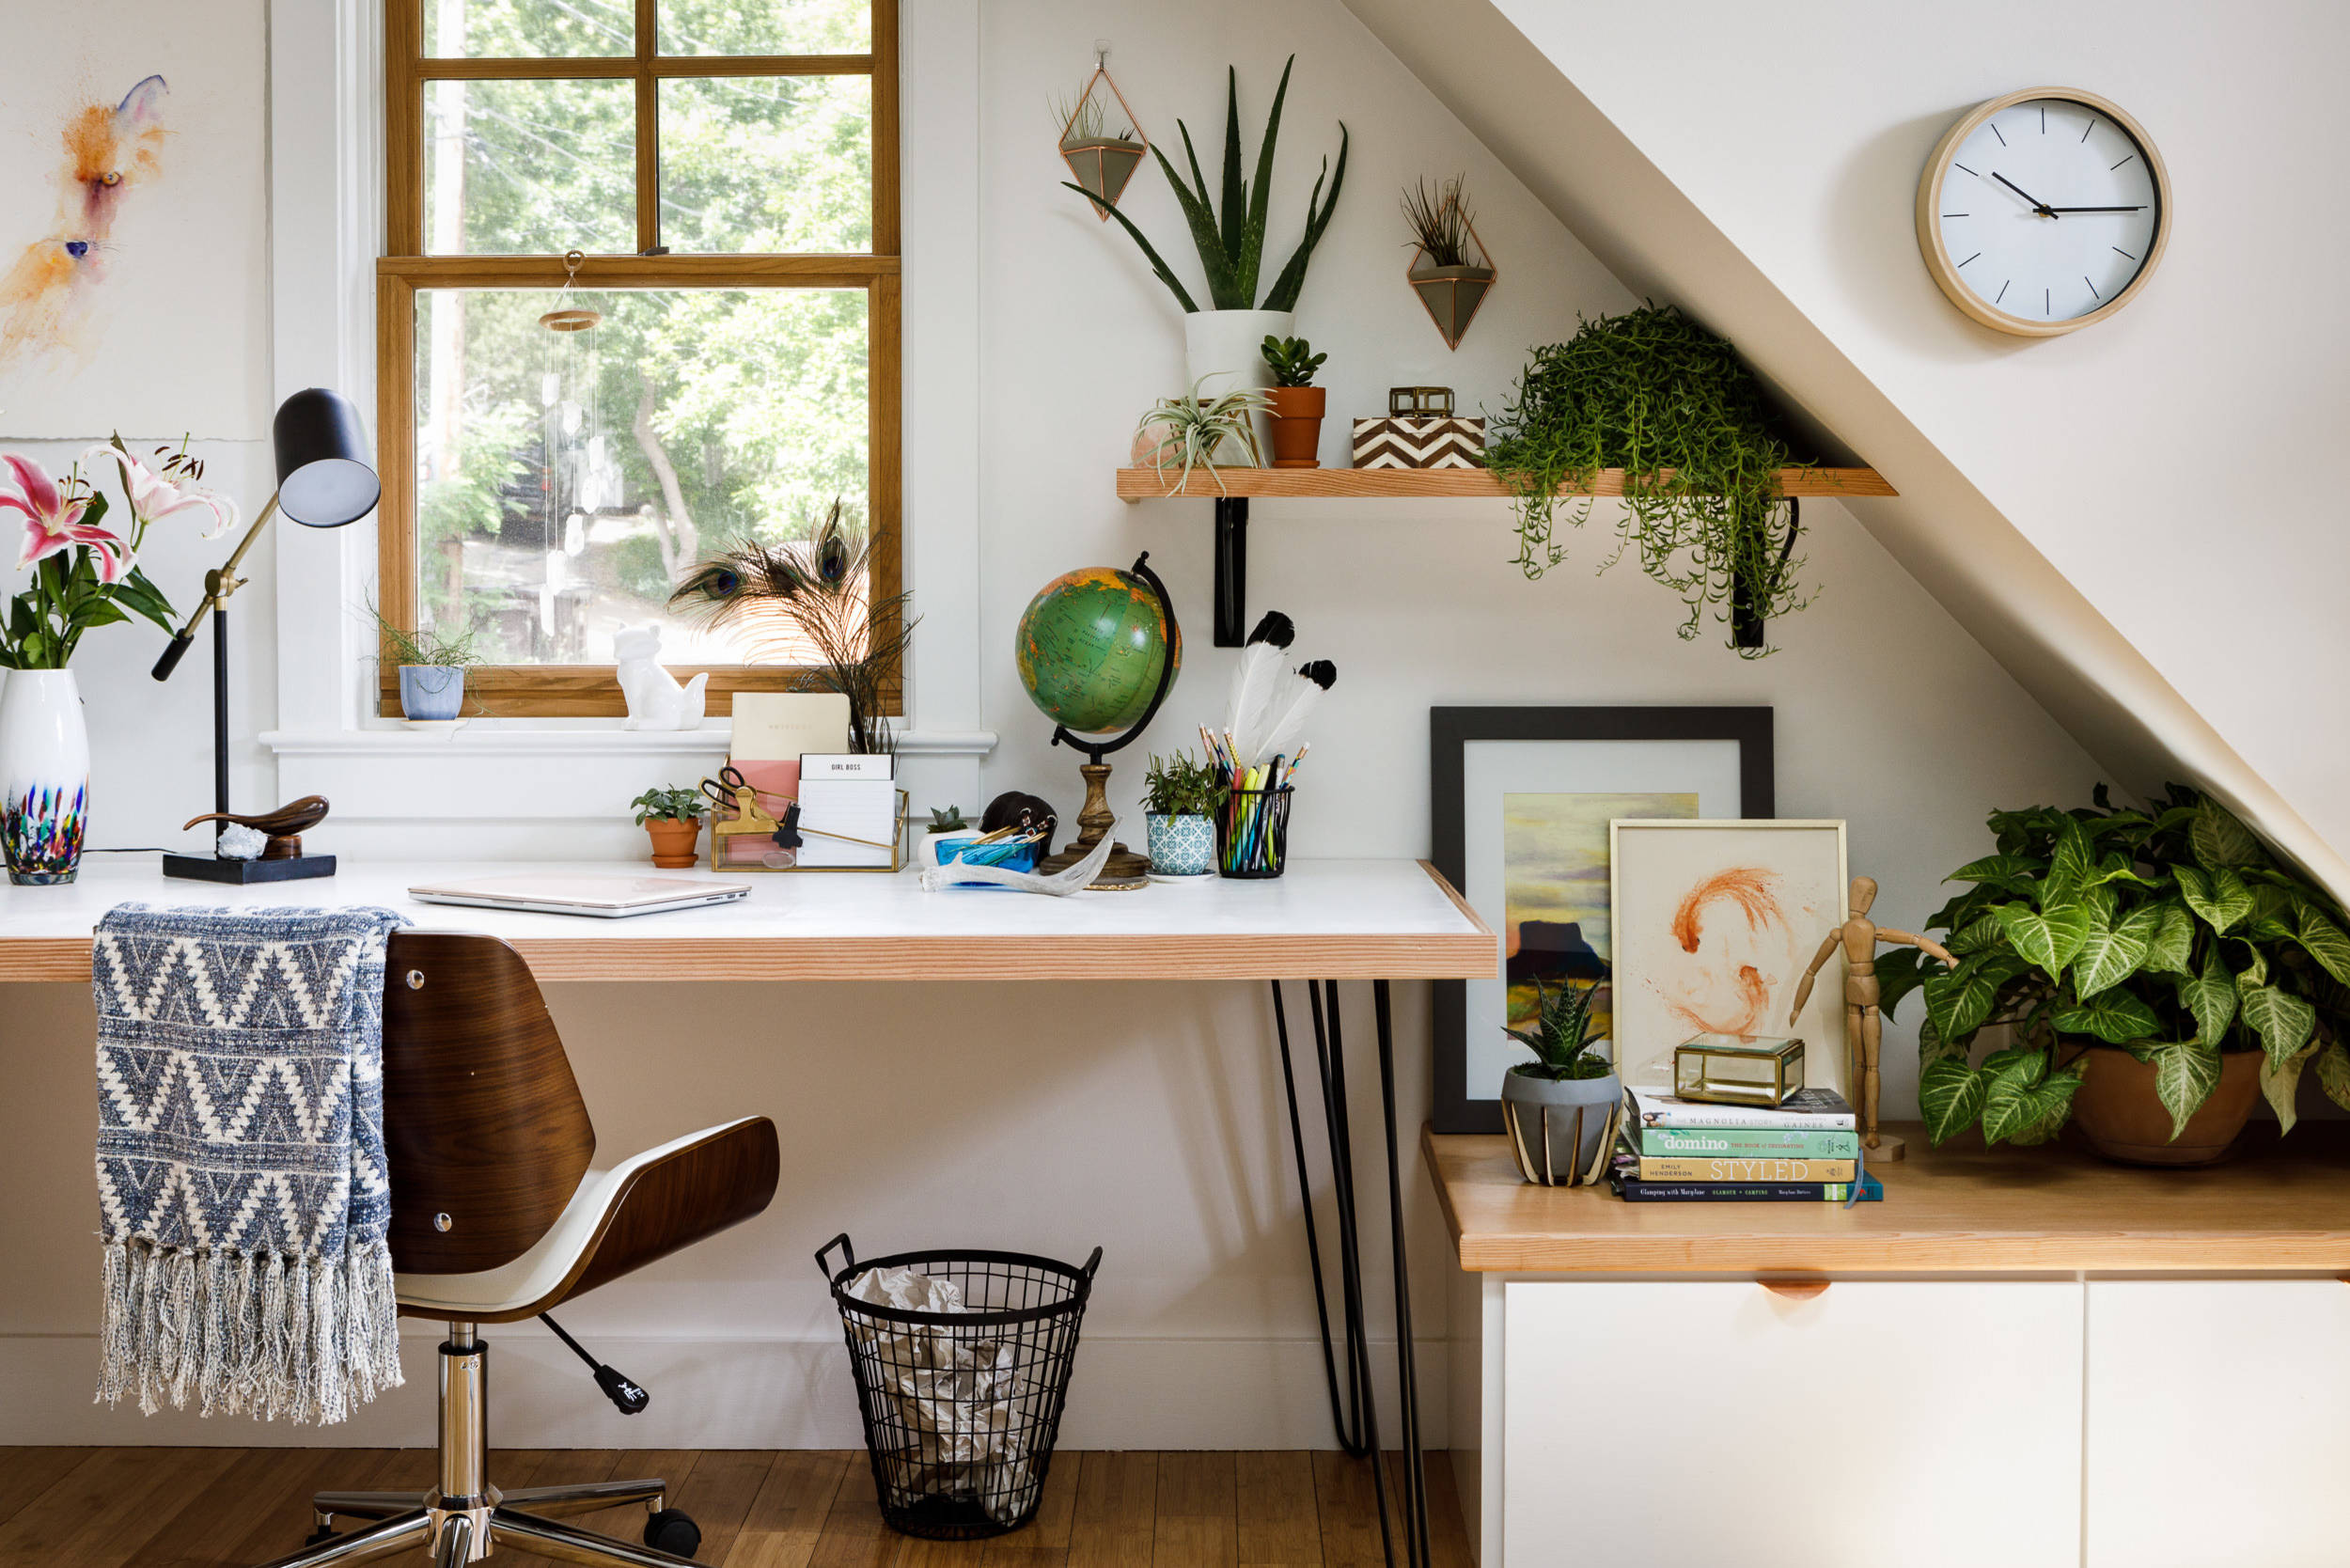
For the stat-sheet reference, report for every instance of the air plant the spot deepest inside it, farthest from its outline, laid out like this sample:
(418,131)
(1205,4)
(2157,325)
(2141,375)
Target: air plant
(1440,222)
(1087,121)
(1187,432)
(1231,243)
(818,593)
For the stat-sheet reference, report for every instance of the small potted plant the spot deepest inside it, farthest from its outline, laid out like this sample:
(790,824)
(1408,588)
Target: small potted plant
(432,665)
(1180,434)
(673,819)
(1180,797)
(1101,159)
(947,819)
(1450,271)
(1560,1107)
(1294,401)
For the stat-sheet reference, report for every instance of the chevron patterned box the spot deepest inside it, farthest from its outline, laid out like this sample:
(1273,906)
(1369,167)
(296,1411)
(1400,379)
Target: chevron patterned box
(1422,441)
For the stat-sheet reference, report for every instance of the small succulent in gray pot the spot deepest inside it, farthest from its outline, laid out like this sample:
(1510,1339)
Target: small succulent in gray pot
(1560,1109)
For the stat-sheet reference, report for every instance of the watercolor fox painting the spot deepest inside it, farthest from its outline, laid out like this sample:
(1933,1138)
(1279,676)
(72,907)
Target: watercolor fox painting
(110,150)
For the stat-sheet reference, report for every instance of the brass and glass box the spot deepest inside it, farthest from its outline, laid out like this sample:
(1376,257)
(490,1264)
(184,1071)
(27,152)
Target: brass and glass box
(1738,1069)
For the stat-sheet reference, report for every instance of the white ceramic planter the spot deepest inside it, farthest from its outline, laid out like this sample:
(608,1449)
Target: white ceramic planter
(44,776)
(1225,348)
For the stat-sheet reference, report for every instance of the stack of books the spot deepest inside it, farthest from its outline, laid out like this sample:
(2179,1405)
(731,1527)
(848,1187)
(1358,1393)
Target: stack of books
(1676,1150)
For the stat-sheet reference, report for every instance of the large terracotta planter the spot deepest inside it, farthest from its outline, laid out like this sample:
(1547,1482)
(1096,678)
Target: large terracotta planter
(1297,425)
(673,841)
(2118,1111)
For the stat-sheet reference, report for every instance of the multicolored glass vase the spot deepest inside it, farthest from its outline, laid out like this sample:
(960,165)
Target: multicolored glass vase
(44,776)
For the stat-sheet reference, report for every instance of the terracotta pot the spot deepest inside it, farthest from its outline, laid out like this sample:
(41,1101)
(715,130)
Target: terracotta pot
(2118,1111)
(673,843)
(1296,425)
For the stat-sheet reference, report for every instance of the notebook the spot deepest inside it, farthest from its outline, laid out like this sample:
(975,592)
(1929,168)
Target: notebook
(607,898)
(848,812)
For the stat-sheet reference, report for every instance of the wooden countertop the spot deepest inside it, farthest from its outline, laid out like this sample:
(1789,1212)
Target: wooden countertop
(1340,920)
(2281,1205)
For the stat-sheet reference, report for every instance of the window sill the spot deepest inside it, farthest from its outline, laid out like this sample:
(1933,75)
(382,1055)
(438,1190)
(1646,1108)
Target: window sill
(550,738)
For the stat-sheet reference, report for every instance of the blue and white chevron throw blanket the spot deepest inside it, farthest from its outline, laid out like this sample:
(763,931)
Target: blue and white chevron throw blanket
(240,1170)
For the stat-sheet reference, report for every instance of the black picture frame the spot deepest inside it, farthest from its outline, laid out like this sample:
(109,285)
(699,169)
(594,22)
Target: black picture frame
(1450,732)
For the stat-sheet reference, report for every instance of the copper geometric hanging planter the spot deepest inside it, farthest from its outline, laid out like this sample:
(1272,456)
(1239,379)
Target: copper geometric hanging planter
(1452,295)
(1102,149)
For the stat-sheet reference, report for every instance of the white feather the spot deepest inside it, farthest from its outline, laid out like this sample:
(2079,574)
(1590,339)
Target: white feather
(1298,698)
(1257,683)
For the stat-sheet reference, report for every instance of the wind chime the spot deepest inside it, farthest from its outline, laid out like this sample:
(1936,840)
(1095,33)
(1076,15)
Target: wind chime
(571,433)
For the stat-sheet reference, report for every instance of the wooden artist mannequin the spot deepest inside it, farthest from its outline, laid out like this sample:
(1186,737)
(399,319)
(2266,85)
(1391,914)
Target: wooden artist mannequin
(1864,1026)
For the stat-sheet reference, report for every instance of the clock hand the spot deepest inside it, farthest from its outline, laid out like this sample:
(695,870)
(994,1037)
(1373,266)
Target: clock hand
(2055,210)
(2037,205)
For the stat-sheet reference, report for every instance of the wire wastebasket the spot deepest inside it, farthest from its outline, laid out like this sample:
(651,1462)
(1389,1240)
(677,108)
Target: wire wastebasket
(962,1361)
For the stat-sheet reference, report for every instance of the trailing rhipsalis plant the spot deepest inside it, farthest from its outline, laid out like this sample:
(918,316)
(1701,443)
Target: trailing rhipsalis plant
(1656,395)
(1559,1038)
(1231,243)
(2170,932)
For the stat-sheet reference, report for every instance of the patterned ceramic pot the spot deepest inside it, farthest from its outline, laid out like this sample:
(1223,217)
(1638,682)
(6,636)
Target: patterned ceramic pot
(44,776)
(431,691)
(1180,846)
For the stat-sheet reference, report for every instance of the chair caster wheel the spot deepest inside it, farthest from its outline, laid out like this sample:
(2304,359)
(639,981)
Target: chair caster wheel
(673,1530)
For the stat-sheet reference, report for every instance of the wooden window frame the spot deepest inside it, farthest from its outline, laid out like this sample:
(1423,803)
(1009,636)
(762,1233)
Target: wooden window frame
(592,690)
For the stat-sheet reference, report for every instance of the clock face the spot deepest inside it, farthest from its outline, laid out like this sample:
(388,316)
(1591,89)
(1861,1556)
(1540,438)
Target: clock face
(2048,210)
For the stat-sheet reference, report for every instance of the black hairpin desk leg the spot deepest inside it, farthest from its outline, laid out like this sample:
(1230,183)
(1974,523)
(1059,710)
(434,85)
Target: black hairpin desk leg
(1355,1415)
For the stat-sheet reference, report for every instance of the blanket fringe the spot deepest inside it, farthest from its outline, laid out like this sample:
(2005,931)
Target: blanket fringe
(309,1338)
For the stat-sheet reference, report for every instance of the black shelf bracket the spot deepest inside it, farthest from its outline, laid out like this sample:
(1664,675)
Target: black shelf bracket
(1232,571)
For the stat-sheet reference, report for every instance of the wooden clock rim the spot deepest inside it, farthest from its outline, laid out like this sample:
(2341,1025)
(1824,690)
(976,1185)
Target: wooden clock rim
(1937,256)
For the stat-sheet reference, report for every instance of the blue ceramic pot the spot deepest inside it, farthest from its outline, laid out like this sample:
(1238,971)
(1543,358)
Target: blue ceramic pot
(431,691)
(1180,846)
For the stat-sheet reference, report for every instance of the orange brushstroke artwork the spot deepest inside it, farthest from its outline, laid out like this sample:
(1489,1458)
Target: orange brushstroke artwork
(1727,991)
(109,149)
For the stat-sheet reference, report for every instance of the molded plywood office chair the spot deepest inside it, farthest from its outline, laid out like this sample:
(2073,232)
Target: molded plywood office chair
(497,1216)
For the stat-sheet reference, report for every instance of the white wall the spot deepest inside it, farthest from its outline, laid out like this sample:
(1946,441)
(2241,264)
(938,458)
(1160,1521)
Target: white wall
(1144,1119)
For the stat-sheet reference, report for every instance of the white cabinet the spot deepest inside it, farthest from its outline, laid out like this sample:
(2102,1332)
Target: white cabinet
(1699,1424)
(2218,1417)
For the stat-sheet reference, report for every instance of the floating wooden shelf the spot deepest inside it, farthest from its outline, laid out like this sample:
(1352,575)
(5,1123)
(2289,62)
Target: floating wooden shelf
(1410,484)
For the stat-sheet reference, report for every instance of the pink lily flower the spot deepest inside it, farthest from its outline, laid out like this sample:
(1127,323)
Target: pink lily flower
(154,497)
(51,524)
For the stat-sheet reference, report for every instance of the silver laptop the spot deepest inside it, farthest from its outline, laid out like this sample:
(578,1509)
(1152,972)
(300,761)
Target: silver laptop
(607,898)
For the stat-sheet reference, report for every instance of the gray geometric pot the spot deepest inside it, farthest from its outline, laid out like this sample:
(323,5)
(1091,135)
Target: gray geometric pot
(1562,1130)
(1180,846)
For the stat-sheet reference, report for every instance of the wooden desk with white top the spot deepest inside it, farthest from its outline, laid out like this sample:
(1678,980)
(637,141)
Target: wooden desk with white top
(1378,920)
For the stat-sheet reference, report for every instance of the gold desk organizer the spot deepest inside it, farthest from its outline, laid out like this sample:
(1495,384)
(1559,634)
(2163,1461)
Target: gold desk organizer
(1738,1069)
(1545,1174)
(751,820)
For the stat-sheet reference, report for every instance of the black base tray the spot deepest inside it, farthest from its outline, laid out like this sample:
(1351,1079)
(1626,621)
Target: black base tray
(204,867)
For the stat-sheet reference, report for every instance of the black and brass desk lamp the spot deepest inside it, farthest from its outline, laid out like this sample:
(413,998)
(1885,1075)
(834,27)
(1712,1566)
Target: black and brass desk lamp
(324,481)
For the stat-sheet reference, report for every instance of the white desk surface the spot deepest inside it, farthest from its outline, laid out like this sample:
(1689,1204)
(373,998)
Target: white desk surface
(1340,920)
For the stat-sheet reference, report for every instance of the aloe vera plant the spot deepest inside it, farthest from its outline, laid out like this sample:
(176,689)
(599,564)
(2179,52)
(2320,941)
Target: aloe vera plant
(1231,241)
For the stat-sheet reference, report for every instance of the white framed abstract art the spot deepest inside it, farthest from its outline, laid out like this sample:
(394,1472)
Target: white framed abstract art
(1715,923)
(135,221)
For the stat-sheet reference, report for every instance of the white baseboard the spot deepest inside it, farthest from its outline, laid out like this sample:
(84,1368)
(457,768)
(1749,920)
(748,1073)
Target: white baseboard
(1126,1393)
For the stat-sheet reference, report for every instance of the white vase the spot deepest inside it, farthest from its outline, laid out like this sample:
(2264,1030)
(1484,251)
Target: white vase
(44,776)
(1226,350)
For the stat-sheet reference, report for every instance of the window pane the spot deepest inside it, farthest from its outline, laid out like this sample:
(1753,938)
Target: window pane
(766,27)
(529,168)
(767,163)
(564,480)
(510,30)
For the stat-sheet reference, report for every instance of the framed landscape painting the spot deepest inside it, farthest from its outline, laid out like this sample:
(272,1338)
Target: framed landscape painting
(1715,924)
(1523,800)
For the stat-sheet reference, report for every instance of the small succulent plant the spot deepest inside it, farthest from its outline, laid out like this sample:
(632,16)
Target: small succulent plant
(1559,1039)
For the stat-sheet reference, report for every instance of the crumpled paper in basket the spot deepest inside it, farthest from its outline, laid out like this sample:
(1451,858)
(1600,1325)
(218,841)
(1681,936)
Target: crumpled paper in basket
(956,1394)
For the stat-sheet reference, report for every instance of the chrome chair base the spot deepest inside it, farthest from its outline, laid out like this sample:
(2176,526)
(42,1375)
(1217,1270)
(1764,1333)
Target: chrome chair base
(465,1519)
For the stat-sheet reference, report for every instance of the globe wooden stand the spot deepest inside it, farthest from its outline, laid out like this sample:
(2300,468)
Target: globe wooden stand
(1124,870)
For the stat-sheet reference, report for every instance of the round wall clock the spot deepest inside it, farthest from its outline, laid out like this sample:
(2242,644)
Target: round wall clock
(2044,211)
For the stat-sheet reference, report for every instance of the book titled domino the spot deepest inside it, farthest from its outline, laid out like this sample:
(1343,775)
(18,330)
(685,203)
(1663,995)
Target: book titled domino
(1747,1143)
(1633,1190)
(1821,1109)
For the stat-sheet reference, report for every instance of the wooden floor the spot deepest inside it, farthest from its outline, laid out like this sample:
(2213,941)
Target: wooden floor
(208,1508)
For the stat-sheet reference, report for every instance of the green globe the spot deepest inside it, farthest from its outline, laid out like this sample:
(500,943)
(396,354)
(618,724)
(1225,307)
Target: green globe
(1091,646)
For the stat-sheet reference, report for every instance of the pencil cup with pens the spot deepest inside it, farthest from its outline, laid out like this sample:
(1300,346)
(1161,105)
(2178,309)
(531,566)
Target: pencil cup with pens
(1261,751)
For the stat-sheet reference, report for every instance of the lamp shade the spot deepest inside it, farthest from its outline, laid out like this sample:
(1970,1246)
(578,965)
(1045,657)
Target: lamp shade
(323,477)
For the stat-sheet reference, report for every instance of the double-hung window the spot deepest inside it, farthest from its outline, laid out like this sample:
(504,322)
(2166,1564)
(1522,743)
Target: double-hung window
(705,194)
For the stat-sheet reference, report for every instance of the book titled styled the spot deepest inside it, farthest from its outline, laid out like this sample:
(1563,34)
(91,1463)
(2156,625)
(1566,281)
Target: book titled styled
(1746,1143)
(1818,1109)
(1633,1190)
(1678,1168)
